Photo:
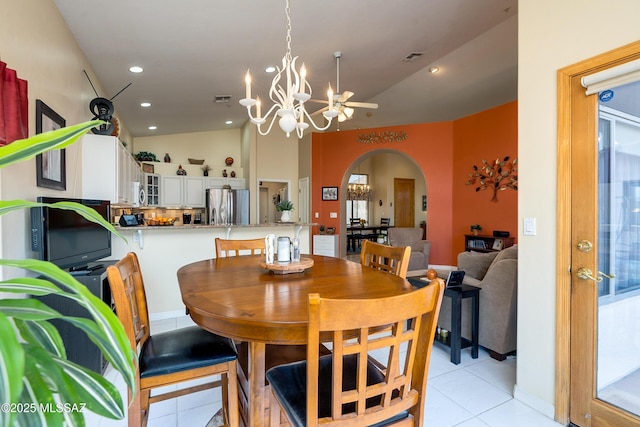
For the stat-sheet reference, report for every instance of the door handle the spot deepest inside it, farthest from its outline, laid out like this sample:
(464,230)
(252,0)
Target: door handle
(586,274)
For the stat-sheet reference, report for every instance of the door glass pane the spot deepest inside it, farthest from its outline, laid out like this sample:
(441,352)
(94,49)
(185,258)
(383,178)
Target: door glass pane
(618,348)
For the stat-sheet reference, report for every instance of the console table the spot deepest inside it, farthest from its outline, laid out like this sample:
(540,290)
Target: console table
(457,294)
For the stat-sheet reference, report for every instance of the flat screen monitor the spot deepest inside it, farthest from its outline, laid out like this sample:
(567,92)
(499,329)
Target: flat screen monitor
(67,239)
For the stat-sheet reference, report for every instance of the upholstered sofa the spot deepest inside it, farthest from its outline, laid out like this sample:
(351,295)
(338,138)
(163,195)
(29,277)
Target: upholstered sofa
(401,236)
(496,273)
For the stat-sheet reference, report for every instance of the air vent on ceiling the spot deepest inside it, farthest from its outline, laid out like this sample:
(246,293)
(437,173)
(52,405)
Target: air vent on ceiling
(412,56)
(222,99)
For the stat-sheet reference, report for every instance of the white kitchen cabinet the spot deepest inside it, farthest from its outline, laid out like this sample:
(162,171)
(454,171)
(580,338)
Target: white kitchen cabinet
(219,182)
(326,244)
(182,191)
(108,170)
(152,188)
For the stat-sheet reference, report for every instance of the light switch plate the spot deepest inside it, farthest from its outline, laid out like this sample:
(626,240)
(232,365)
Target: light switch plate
(529,227)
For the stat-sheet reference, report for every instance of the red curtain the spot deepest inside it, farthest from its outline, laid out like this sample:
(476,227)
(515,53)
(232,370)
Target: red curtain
(14,106)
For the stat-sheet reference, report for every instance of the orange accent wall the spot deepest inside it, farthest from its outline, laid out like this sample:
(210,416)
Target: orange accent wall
(489,135)
(445,153)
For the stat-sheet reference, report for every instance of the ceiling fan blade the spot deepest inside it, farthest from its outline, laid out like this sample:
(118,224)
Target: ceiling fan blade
(344,96)
(320,111)
(319,101)
(361,104)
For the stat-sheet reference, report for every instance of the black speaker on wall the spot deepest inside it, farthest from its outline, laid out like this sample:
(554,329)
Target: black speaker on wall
(498,233)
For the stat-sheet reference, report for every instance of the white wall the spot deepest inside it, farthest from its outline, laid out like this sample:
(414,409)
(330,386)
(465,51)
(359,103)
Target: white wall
(212,147)
(552,34)
(35,41)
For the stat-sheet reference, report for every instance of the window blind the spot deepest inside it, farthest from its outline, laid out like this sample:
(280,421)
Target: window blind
(612,77)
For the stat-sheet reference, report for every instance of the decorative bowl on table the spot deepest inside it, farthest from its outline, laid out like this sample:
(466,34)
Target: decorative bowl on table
(289,267)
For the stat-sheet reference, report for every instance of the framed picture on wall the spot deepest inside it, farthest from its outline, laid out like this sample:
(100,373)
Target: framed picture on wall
(51,169)
(329,193)
(498,244)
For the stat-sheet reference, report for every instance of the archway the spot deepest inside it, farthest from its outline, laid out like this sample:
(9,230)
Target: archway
(382,166)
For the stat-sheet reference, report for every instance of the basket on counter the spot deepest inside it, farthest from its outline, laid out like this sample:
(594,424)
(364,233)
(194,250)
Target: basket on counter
(195,161)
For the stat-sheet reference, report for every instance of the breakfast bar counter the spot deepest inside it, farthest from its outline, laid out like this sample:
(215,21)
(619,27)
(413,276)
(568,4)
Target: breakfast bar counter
(162,250)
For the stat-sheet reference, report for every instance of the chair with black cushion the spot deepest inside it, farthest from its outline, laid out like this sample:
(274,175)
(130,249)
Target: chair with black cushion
(225,247)
(392,259)
(171,357)
(367,380)
(274,354)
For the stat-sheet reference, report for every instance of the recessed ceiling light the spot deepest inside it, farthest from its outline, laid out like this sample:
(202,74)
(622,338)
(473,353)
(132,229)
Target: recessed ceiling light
(136,69)
(228,122)
(145,104)
(270,69)
(153,127)
(434,70)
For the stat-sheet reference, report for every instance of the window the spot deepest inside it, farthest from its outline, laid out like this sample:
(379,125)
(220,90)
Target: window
(357,206)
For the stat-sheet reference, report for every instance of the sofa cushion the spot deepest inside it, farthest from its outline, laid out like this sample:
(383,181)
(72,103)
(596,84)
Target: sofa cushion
(476,264)
(508,253)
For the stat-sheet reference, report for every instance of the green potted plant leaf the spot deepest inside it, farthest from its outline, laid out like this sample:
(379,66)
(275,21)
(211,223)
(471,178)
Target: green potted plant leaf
(46,377)
(285,206)
(475,229)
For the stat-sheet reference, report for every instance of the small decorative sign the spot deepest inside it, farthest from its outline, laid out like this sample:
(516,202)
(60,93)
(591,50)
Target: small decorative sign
(383,138)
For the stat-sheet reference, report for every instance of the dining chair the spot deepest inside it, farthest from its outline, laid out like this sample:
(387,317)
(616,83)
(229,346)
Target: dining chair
(274,354)
(356,235)
(392,259)
(386,222)
(171,357)
(377,374)
(225,247)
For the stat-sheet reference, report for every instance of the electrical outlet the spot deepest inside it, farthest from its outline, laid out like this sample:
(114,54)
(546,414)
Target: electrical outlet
(333,215)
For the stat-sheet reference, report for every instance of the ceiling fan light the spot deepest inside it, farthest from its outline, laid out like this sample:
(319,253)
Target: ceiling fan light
(348,112)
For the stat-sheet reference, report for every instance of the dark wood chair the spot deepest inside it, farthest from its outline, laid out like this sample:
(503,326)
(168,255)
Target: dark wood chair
(356,236)
(349,387)
(392,259)
(171,357)
(225,247)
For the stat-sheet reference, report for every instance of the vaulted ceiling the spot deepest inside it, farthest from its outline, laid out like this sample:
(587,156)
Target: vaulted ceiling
(195,50)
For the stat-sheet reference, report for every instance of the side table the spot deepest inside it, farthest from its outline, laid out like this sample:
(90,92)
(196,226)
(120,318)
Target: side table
(457,294)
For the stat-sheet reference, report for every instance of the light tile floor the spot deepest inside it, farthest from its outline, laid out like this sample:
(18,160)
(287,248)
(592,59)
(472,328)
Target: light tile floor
(475,393)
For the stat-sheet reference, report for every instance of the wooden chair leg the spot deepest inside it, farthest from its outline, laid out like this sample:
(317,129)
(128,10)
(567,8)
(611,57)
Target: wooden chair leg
(144,406)
(274,410)
(232,394)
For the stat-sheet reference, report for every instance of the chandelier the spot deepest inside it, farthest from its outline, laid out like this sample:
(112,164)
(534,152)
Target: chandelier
(288,101)
(358,192)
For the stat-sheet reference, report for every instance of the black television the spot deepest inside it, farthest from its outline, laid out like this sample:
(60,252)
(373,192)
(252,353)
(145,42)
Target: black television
(66,238)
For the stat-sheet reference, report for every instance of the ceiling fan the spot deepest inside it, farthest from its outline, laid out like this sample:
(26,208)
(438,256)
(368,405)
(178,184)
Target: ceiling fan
(341,100)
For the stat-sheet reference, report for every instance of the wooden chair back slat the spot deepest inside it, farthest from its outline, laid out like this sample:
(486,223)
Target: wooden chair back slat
(228,247)
(367,328)
(392,259)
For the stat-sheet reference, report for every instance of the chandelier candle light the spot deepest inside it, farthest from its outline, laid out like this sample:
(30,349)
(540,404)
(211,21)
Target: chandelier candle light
(288,100)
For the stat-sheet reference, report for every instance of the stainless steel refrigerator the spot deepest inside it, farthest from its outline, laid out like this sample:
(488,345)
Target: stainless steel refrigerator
(227,206)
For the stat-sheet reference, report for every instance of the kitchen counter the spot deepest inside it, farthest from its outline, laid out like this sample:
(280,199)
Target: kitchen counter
(204,226)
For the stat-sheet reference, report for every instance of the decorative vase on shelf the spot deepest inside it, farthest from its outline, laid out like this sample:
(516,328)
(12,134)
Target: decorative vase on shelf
(181,171)
(206,173)
(233,174)
(286,216)
(167,158)
(475,232)
(224,173)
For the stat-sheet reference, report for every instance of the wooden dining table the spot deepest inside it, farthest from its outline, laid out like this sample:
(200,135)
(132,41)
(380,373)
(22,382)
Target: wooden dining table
(237,298)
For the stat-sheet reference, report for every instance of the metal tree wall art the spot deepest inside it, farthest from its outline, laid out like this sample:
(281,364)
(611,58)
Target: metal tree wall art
(497,176)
